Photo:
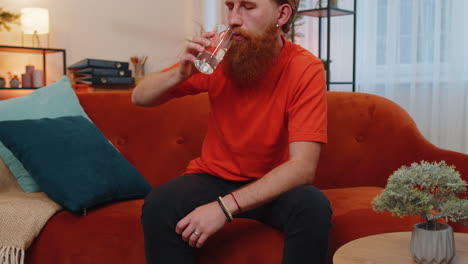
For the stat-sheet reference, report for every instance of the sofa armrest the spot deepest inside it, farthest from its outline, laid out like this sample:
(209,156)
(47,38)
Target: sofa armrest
(369,138)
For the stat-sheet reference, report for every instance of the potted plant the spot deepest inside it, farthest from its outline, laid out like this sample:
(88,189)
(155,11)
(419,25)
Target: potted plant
(324,3)
(333,3)
(430,190)
(7,18)
(2,82)
(14,80)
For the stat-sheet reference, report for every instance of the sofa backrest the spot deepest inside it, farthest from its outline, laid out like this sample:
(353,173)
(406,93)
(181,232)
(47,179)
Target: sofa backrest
(369,136)
(159,141)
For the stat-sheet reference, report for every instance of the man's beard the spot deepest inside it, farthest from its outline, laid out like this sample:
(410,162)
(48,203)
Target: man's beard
(248,60)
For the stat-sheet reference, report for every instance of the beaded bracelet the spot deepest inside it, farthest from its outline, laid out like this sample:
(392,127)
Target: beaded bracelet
(224,208)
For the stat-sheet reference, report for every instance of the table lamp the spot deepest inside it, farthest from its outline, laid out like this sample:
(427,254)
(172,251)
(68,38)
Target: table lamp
(35,21)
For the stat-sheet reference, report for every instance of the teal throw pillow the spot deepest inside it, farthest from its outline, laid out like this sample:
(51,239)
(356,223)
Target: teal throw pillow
(73,161)
(55,100)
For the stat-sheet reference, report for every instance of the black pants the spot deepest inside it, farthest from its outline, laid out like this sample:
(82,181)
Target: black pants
(303,214)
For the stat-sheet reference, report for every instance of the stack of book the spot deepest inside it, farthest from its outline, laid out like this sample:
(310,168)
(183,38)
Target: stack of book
(101,75)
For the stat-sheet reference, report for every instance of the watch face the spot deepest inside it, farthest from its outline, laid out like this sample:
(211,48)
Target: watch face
(104,80)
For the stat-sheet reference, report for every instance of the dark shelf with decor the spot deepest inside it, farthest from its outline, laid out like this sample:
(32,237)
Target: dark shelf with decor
(327,13)
(41,51)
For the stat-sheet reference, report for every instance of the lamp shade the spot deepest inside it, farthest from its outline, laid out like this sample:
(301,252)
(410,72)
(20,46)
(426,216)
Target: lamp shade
(35,20)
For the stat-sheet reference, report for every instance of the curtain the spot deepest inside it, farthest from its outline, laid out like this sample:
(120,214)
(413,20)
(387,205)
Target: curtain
(415,53)
(215,13)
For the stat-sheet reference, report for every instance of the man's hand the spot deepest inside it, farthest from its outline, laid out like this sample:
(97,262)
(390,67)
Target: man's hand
(155,88)
(201,223)
(196,46)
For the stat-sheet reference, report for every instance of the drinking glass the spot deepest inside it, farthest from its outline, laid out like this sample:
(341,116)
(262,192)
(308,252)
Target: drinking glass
(208,60)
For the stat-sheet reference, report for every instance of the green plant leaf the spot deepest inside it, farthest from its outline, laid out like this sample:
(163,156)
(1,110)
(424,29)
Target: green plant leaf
(426,189)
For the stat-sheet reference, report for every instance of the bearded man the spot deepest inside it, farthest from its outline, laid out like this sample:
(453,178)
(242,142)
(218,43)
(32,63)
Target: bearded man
(265,129)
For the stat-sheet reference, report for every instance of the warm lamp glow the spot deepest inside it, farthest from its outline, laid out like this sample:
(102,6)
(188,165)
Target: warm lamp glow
(35,20)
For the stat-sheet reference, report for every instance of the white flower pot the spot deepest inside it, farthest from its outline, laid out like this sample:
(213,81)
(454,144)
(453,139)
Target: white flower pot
(432,246)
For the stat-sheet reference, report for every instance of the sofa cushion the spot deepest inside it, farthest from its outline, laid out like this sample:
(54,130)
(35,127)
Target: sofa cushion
(109,234)
(344,200)
(55,100)
(100,237)
(72,161)
(353,216)
(241,241)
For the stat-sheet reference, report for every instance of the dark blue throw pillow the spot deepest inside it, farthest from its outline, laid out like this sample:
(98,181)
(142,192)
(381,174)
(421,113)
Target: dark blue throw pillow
(72,161)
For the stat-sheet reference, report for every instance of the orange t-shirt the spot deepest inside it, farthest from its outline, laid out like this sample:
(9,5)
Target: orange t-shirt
(248,132)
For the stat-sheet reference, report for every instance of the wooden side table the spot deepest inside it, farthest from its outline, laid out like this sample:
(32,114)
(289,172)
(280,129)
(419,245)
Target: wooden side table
(390,248)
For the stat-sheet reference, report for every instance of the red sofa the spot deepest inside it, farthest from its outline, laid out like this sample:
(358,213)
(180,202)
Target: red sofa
(369,138)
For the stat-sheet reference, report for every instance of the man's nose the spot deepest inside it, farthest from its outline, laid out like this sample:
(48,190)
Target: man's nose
(235,18)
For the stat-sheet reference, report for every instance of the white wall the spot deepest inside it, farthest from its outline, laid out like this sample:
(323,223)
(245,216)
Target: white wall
(107,29)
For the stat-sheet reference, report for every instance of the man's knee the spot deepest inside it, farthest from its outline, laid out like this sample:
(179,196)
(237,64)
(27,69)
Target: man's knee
(174,199)
(156,200)
(160,204)
(154,207)
(308,201)
(317,198)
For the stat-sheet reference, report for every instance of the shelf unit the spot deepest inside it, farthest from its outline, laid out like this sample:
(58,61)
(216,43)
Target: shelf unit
(327,13)
(41,51)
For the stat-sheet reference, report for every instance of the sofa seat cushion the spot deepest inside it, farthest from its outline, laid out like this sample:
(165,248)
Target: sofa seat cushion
(344,200)
(113,234)
(109,234)
(353,216)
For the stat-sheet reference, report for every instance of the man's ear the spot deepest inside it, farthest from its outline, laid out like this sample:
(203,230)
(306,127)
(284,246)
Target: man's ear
(285,12)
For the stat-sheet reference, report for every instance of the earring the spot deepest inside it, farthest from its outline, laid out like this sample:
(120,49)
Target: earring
(277,26)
